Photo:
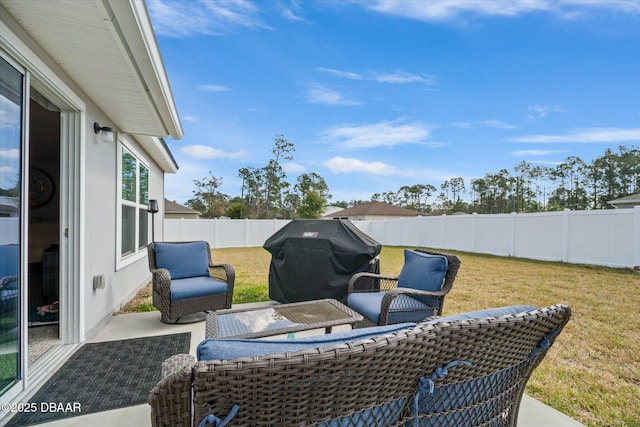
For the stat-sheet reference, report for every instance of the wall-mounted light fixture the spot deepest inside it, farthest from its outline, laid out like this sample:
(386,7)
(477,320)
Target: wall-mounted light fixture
(106,133)
(153,209)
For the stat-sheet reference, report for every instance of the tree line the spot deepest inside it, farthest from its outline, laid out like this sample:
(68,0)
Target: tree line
(265,191)
(574,184)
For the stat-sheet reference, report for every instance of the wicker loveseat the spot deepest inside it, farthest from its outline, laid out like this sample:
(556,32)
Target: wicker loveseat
(464,370)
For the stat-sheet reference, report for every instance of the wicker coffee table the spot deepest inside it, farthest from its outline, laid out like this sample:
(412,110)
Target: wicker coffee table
(282,319)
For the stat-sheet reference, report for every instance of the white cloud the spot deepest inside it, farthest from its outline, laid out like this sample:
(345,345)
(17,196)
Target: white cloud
(186,18)
(192,119)
(346,74)
(7,170)
(292,11)
(383,134)
(449,10)
(586,136)
(397,77)
(214,88)
(540,111)
(292,167)
(498,124)
(403,78)
(531,153)
(206,152)
(321,94)
(13,153)
(493,123)
(339,165)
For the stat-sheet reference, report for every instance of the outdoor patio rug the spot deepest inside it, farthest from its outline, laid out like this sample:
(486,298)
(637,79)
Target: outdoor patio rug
(103,376)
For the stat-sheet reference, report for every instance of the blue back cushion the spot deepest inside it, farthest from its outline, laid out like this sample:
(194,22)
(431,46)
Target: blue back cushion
(470,398)
(422,271)
(225,349)
(183,259)
(481,314)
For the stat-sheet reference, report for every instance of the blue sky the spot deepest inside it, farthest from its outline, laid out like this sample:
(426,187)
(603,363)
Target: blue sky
(377,94)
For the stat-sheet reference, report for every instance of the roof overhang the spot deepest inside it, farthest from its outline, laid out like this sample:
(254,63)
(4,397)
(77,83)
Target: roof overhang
(108,48)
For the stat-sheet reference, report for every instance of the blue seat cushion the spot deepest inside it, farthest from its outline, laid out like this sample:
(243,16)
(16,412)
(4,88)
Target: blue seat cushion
(422,271)
(225,349)
(195,287)
(183,259)
(403,308)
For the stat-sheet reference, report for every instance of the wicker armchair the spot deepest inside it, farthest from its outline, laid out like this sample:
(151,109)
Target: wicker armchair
(381,301)
(467,370)
(210,288)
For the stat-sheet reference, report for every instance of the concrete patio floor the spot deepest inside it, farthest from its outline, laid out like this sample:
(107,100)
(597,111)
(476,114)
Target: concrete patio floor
(532,412)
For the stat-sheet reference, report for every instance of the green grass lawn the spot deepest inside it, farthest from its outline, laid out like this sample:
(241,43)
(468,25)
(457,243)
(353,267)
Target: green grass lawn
(592,373)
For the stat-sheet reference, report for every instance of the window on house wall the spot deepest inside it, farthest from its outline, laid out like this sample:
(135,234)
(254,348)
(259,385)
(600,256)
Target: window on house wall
(134,184)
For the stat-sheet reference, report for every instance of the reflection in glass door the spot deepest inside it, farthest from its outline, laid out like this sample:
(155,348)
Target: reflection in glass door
(11,103)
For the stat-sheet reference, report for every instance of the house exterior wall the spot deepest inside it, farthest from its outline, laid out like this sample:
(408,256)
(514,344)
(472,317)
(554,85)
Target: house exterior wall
(96,201)
(101,213)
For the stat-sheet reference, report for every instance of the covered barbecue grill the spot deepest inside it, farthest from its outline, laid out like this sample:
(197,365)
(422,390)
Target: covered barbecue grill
(314,259)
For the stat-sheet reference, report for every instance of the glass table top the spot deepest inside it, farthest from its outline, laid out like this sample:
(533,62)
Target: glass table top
(283,318)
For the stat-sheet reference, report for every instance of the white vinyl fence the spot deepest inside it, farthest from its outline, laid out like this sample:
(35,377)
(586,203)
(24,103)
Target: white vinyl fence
(607,237)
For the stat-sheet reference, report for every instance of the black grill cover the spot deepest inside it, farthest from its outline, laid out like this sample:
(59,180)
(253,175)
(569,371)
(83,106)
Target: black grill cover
(314,259)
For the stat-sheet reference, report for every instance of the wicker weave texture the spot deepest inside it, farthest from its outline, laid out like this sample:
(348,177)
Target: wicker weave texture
(170,310)
(486,362)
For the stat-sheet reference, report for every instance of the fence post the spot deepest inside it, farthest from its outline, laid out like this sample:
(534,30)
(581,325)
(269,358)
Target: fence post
(443,231)
(216,233)
(565,235)
(513,233)
(474,217)
(636,236)
(246,232)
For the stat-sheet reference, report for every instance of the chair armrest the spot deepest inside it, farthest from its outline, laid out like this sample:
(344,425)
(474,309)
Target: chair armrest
(226,273)
(371,282)
(161,279)
(392,294)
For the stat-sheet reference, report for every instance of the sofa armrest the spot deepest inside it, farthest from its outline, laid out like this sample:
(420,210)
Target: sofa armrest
(171,400)
(176,363)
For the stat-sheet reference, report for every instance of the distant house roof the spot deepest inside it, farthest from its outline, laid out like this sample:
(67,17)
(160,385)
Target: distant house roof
(374,209)
(176,208)
(328,210)
(626,202)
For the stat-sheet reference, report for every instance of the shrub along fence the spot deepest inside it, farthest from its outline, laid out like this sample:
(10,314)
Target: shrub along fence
(607,237)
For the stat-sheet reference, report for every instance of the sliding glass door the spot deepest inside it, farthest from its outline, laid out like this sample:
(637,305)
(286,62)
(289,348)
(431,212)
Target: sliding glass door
(11,134)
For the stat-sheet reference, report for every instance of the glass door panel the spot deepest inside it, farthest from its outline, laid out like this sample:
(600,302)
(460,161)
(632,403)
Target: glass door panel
(11,104)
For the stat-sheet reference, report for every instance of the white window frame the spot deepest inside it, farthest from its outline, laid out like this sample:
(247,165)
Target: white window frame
(140,251)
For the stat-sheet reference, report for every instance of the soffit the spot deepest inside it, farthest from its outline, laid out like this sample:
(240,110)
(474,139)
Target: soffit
(109,50)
